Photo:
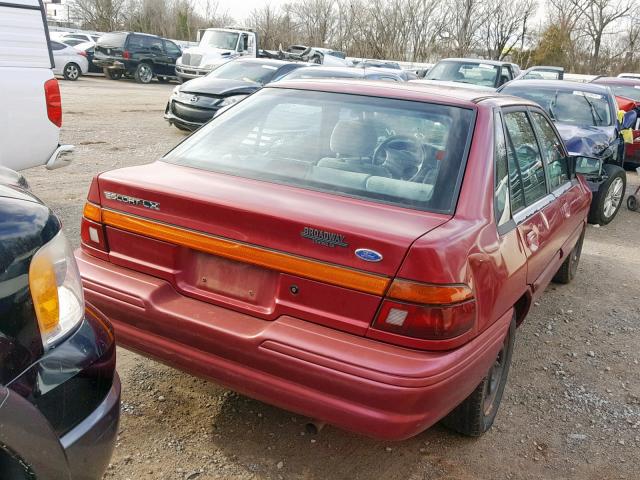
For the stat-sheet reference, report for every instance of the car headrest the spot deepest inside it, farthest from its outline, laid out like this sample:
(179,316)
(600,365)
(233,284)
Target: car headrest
(353,138)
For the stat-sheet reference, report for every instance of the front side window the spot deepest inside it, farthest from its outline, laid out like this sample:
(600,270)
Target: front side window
(405,153)
(171,48)
(524,149)
(556,161)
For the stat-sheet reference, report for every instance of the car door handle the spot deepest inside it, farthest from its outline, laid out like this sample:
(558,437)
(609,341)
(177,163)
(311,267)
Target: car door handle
(532,240)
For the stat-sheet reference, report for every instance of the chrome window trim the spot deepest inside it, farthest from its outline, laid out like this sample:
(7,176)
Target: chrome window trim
(527,212)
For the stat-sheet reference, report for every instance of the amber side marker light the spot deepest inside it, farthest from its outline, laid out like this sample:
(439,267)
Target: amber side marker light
(283,262)
(425,311)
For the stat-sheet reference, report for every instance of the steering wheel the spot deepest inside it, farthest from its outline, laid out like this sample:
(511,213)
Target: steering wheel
(402,155)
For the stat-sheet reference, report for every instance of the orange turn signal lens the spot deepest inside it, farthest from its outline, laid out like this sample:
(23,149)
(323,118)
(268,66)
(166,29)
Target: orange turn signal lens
(283,262)
(428,294)
(44,292)
(92,212)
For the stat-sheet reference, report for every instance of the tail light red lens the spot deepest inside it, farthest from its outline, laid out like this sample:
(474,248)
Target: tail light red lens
(427,312)
(83,53)
(53,101)
(126,55)
(428,322)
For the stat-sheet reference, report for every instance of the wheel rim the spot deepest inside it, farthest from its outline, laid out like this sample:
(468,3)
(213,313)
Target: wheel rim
(613,197)
(145,73)
(494,377)
(72,72)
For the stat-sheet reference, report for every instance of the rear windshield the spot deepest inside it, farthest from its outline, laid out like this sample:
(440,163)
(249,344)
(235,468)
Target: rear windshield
(406,153)
(313,72)
(113,39)
(568,105)
(628,91)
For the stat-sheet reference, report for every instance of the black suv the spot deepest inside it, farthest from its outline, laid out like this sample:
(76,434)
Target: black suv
(136,55)
(59,391)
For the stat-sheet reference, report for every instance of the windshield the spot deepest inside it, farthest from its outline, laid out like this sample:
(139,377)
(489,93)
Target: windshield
(245,71)
(465,72)
(541,75)
(116,39)
(313,72)
(573,107)
(219,39)
(627,91)
(393,151)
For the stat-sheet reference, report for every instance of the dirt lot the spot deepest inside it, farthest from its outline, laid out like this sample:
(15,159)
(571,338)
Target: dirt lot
(571,408)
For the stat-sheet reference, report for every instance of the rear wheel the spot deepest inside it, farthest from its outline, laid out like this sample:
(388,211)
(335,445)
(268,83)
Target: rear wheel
(475,415)
(632,203)
(112,74)
(71,72)
(607,200)
(144,73)
(569,267)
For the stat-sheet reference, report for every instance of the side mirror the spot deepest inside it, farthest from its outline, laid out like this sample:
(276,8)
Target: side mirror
(587,166)
(629,119)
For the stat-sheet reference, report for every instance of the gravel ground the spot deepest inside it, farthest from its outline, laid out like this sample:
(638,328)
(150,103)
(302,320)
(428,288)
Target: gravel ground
(571,408)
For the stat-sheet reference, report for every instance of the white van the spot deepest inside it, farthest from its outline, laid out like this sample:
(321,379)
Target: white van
(31,113)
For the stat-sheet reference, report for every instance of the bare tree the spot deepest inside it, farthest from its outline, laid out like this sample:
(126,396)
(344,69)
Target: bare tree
(598,16)
(506,25)
(465,18)
(102,15)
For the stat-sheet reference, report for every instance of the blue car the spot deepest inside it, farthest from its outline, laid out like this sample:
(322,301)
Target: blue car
(585,116)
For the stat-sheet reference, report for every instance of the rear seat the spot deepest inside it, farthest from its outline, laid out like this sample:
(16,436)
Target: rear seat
(361,181)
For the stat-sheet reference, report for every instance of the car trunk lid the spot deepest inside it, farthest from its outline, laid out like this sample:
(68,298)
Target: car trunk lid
(258,247)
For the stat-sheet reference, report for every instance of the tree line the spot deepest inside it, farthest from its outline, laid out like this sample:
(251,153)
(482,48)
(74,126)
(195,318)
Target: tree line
(584,36)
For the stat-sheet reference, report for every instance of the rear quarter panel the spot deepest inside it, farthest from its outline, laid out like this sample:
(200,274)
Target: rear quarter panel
(468,249)
(27,137)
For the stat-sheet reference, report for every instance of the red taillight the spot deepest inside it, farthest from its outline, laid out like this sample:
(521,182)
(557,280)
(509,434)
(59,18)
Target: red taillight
(82,53)
(428,322)
(126,55)
(427,312)
(54,103)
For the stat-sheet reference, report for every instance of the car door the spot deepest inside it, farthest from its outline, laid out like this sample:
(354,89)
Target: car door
(538,217)
(173,52)
(567,190)
(155,51)
(59,58)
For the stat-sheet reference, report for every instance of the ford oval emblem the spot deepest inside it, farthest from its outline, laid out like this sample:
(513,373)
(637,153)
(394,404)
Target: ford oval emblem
(368,255)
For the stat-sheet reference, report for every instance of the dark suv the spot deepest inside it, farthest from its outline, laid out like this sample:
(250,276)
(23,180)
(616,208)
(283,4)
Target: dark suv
(136,55)
(59,391)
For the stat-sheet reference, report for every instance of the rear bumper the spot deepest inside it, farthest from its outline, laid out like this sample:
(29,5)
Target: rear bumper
(60,157)
(356,383)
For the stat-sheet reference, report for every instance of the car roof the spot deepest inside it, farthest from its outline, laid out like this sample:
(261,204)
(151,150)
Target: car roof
(476,60)
(464,97)
(616,81)
(559,84)
(357,72)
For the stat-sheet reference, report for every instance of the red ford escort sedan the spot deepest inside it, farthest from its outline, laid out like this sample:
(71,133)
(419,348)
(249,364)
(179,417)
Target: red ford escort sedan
(359,253)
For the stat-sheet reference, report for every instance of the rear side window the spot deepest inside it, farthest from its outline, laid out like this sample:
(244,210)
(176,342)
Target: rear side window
(406,153)
(556,162)
(501,200)
(57,46)
(113,40)
(524,149)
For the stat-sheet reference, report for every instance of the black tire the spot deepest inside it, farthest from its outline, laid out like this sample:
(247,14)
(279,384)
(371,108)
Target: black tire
(72,71)
(602,211)
(112,74)
(569,267)
(144,73)
(475,415)
(632,203)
